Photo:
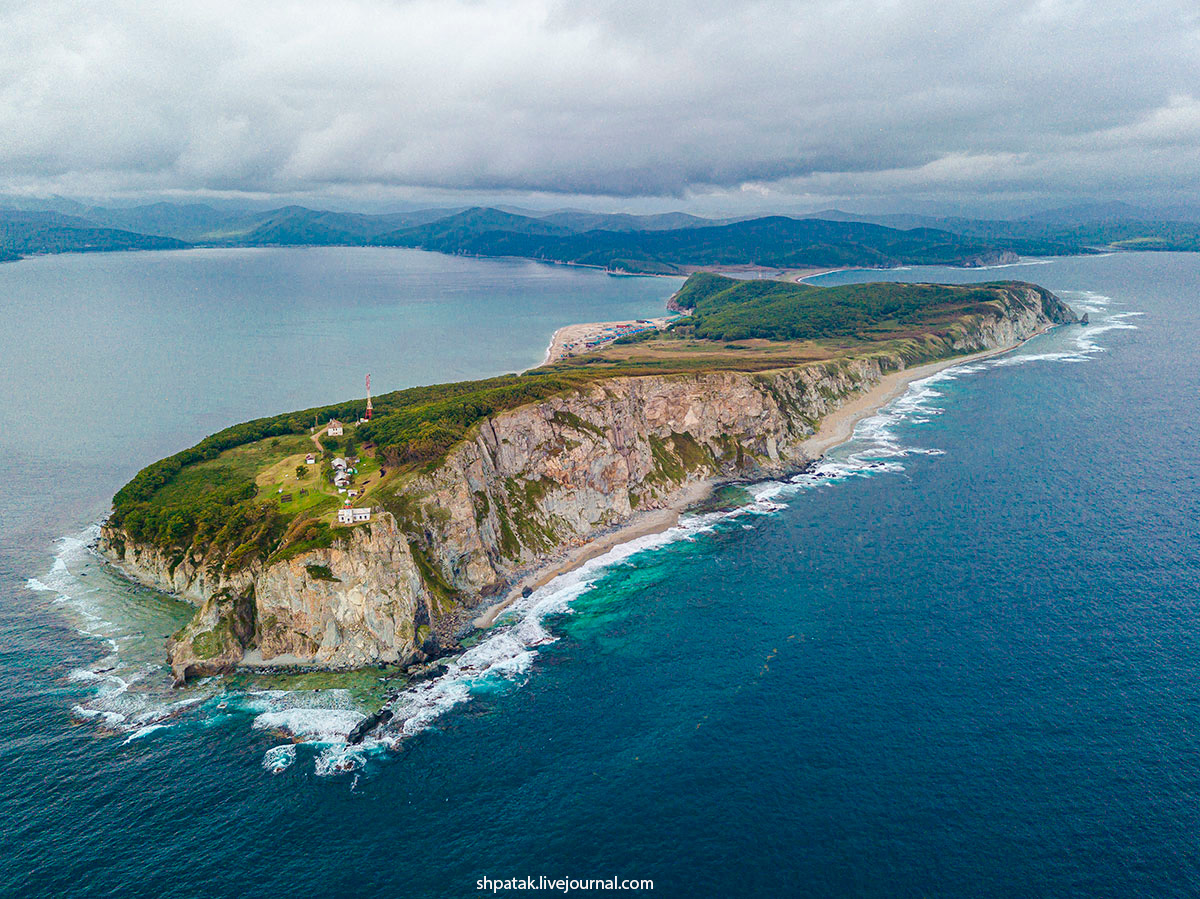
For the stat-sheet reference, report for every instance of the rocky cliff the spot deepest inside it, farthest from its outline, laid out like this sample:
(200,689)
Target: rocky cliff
(526,485)
(990,257)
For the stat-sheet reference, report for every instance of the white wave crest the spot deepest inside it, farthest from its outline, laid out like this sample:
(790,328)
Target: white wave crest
(341,758)
(317,725)
(279,758)
(506,655)
(145,731)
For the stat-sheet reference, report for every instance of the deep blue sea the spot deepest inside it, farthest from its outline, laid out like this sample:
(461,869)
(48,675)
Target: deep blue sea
(959,659)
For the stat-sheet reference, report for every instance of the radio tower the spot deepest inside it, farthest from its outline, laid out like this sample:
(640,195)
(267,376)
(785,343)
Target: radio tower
(370,411)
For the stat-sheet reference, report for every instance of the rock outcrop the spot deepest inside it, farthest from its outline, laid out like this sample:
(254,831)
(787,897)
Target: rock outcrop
(990,257)
(527,484)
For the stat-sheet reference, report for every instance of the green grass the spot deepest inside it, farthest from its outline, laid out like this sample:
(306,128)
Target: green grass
(321,573)
(729,309)
(232,471)
(303,535)
(442,593)
(367,686)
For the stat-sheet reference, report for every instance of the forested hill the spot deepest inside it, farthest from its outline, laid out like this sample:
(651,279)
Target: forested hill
(730,309)
(670,243)
(773,241)
(666,243)
(1108,226)
(24,233)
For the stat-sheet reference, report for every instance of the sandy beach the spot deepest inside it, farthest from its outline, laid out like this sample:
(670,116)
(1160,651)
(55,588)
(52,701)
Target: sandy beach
(838,427)
(835,429)
(650,522)
(574,340)
(760,271)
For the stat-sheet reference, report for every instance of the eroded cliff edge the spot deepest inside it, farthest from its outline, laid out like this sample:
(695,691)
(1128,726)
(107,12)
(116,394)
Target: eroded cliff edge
(524,486)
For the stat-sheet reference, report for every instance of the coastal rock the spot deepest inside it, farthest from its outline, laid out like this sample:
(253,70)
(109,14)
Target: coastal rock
(214,641)
(990,257)
(350,605)
(551,474)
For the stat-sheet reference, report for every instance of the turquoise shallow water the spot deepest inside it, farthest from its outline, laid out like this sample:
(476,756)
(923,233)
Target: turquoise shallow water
(958,660)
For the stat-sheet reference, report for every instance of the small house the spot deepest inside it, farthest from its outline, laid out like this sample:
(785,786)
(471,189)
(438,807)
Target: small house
(334,428)
(347,515)
(341,479)
(339,463)
(310,459)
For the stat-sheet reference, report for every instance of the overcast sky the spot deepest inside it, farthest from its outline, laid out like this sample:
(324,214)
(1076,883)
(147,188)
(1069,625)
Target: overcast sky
(691,104)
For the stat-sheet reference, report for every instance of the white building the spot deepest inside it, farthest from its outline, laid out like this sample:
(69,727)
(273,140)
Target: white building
(334,428)
(310,459)
(346,515)
(338,463)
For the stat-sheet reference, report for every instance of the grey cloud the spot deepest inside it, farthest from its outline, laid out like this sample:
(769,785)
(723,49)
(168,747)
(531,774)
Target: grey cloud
(607,97)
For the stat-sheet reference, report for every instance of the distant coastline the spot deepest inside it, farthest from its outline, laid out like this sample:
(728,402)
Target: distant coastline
(620,244)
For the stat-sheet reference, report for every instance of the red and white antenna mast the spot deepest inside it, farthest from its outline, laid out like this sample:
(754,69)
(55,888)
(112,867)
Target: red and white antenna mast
(370,411)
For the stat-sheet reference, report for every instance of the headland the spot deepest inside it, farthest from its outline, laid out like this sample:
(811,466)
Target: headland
(467,494)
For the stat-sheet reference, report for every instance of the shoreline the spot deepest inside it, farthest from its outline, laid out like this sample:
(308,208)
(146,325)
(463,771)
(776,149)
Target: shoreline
(834,429)
(765,272)
(571,340)
(651,522)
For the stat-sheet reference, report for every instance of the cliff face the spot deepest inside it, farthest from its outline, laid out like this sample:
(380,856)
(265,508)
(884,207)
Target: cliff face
(550,474)
(361,601)
(990,257)
(528,484)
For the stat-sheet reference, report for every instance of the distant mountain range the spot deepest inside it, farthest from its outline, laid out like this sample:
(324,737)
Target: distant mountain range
(773,241)
(1105,226)
(666,243)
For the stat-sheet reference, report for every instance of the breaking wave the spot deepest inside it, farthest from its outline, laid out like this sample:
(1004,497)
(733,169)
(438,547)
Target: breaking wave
(128,692)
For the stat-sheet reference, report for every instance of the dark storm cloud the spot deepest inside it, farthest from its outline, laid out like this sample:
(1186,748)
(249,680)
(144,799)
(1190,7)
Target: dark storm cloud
(817,98)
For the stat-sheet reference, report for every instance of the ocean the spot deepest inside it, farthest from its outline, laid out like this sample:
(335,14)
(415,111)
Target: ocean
(958,658)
